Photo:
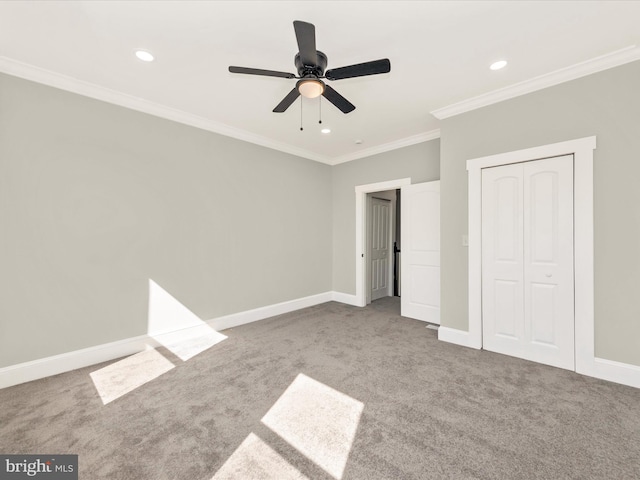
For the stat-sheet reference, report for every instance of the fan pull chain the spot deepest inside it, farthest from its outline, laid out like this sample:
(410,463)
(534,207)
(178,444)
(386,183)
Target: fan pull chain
(320,109)
(301,129)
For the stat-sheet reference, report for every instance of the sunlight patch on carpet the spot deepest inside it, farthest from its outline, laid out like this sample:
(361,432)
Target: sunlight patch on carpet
(255,459)
(318,421)
(123,376)
(176,327)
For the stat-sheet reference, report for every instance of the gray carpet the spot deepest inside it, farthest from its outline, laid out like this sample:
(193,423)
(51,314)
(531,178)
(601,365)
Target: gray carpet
(428,409)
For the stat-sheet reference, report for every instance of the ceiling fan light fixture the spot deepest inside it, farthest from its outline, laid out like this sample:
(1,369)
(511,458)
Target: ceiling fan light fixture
(310,88)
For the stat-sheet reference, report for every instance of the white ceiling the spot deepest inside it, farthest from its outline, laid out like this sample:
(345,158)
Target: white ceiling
(439,52)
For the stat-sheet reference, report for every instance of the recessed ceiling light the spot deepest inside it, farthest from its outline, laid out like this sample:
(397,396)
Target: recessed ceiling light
(498,65)
(144,56)
(326,130)
(358,142)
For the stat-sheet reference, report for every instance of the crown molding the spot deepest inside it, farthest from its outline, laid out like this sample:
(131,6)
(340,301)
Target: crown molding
(91,90)
(582,69)
(80,87)
(385,147)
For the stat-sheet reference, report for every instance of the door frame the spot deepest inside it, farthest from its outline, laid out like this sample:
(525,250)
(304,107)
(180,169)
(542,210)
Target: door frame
(582,151)
(361,231)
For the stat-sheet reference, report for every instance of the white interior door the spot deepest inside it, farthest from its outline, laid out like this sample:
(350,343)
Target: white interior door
(380,256)
(420,238)
(527,260)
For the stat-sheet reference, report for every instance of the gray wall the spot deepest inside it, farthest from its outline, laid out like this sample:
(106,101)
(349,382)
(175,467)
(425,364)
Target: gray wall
(421,162)
(97,199)
(606,104)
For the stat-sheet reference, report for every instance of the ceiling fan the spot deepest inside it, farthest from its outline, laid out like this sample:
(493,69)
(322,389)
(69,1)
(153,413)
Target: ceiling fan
(310,64)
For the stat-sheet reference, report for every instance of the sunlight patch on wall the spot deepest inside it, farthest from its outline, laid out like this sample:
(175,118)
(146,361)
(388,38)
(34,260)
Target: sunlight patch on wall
(123,376)
(255,459)
(318,421)
(176,327)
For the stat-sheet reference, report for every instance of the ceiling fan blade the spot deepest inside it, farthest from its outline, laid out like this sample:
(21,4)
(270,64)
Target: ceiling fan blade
(359,70)
(306,36)
(344,105)
(257,71)
(287,101)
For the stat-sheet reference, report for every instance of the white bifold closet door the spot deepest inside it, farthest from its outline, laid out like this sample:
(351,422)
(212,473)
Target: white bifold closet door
(527,261)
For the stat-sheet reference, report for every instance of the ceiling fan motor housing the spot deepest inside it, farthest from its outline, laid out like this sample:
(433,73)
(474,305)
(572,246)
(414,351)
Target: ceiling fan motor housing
(316,70)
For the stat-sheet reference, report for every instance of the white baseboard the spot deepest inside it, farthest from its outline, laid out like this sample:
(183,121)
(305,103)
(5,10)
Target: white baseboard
(345,298)
(65,362)
(459,337)
(604,369)
(618,372)
(236,319)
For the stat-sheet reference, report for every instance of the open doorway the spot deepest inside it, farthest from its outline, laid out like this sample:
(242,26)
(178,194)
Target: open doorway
(420,263)
(361,192)
(382,263)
